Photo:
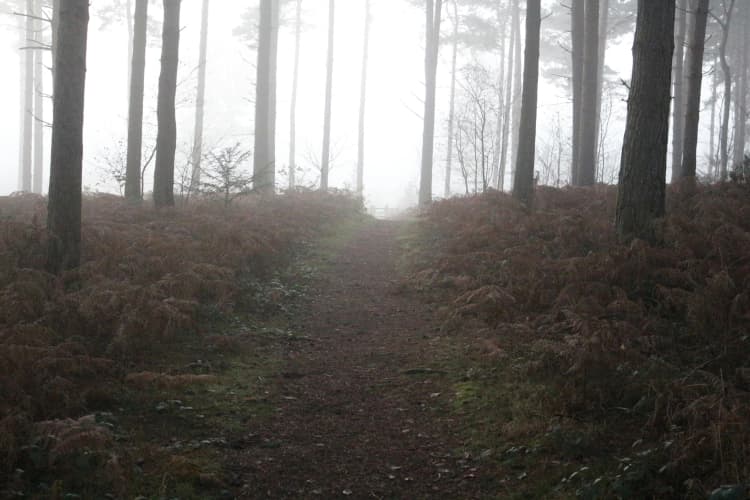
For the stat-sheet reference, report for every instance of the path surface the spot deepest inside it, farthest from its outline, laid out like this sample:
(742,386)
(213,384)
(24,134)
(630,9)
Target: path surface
(357,414)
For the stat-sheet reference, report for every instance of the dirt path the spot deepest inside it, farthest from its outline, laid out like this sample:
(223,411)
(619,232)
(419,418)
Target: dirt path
(361,410)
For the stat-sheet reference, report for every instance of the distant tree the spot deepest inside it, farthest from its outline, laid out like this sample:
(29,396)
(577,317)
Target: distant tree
(225,175)
(64,205)
(694,81)
(200,98)
(166,140)
(363,102)
(264,161)
(133,180)
(587,132)
(433,13)
(28,123)
(295,86)
(725,21)
(642,186)
(578,30)
(39,47)
(325,154)
(741,30)
(523,185)
(678,106)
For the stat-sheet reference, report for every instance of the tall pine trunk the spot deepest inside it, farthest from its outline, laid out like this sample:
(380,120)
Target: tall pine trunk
(293,105)
(452,105)
(433,12)
(131,41)
(200,100)
(135,112)
(523,185)
(578,34)
(587,131)
(602,52)
(694,82)
(507,107)
(166,138)
(363,103)
(712,154)
(325,156)
(64,205)
(264,160)
(28,120)
(502,21)
(38,174)
(21,101)
(727,72)
(678,106)
(642,186)
(740,99)
(517,90)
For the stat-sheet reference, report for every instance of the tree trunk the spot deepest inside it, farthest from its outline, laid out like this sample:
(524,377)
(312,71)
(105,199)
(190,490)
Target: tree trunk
(433,13)
(678,106)
(740,99)
(523,185)
(64,206)
(712,163)
(135,114)
(452,108)
(602,51)
(362,103)
(514,39)
(587,131)
(517,90)
(501,19)
(726,70)
(38,177)
(694,81)
(28,121)
(578,34)
(131,41)
(264,161)
(325,156)
(166,138)
(21,102)
(293,106)
(642,187)
(200,98)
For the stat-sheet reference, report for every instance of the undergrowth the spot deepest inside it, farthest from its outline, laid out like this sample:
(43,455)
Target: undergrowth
(635,355)
(149,281)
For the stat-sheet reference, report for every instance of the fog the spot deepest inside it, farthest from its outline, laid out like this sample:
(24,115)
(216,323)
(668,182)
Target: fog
(395,90)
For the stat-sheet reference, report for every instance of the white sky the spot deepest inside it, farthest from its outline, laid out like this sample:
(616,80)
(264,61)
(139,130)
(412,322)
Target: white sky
(393,137)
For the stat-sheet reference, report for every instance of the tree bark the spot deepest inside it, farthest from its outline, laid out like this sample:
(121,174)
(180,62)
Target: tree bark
(38,174)
(578,30)
(712,161)
(517,90)
(452,107)
(501,19)
(678,106)
(433,12)
(507,108)
(694,82)
(21,102)
(325,156)
(131,41)
(293,106)
(740,99)
(523,185)
(135,114)
(64,205)
(264,161)
(28,123)
(642,186)
(200,100)
(587,131)
(603,36)
(363,103)
(166,139)
(726,70)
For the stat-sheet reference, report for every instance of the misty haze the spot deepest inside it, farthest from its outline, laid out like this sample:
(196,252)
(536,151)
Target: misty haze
(374,249)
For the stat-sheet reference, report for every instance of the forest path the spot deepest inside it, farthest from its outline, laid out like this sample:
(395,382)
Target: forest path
(361,408)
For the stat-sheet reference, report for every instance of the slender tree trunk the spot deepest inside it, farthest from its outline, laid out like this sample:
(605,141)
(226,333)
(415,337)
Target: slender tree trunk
(64,206)
(293,106)
(21,102)
(131,40)
(166,139)
(523,186)
(678,106)
(517,90)
(433,13)
(578,33)
(38,177)
(133,191)
(362,103)
(264,161)
(28,120)
(642,187)
(325,156)
(603,36)
(712,163)
(587,131)
(501,19)
(740,100)
(726,70)
(694,82)
(200,100)
(452,109)
(514,39)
